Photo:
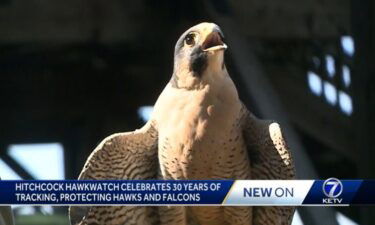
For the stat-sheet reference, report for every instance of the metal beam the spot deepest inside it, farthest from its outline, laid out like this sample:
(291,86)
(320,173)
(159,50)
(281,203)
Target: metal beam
(269,106)
(15,166)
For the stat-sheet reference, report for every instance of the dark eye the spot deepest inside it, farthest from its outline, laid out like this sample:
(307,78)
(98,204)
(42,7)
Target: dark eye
(190,39)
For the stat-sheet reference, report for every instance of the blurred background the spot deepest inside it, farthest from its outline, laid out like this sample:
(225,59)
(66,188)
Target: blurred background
(73,72)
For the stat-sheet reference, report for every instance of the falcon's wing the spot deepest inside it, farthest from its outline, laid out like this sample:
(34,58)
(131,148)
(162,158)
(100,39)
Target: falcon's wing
(130,155)
(270,160)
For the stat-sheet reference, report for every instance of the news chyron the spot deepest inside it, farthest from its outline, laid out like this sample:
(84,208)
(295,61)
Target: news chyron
(329,192)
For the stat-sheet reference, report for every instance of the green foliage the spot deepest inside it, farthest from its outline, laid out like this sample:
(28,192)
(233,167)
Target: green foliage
(40,219)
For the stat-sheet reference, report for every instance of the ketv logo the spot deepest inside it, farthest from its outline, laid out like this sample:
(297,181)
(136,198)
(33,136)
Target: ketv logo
(332,188)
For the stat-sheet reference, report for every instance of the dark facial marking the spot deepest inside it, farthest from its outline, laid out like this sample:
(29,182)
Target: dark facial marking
(198,61)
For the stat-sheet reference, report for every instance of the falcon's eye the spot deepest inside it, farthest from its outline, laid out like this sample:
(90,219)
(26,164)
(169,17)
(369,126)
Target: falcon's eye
(190,39)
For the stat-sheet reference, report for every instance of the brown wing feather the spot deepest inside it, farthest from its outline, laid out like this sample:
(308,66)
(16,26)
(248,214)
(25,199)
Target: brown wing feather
(130,155)
(270,160)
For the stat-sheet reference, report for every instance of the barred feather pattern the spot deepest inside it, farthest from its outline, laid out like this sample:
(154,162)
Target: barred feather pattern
(270,160)
(133,155)
(130,155)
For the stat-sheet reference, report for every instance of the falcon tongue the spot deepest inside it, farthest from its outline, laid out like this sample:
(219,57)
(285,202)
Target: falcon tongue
(213,42)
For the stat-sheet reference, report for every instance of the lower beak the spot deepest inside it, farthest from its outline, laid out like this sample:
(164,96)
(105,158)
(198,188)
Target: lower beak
(216,48)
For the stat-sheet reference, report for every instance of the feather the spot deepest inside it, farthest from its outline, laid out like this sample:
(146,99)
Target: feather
(271,160)
(130,155)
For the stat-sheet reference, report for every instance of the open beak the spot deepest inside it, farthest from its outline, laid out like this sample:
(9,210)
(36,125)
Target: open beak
(214,42)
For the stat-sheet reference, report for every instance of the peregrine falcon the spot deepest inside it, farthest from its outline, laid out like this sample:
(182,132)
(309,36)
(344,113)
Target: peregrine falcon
(199,129)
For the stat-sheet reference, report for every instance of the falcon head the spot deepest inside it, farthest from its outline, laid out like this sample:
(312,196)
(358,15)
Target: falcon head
(199,53)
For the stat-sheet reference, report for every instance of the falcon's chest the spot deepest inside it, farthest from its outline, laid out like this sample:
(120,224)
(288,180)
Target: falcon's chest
(197,129)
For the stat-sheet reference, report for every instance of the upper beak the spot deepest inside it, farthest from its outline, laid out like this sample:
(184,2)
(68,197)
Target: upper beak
(214,42)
